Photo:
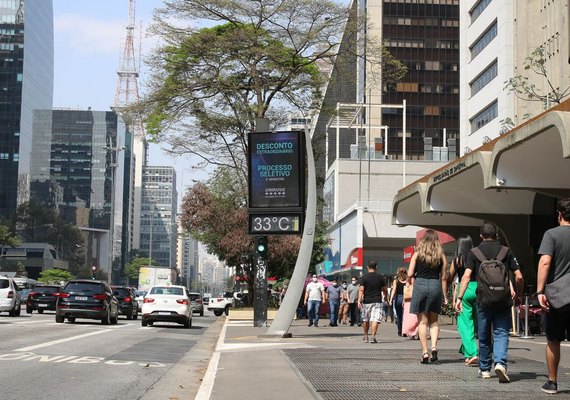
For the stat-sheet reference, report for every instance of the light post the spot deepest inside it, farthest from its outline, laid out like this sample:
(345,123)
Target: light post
(151,205)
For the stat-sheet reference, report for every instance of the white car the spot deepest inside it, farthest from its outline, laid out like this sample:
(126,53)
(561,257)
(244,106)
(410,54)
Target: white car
(10,299)
(140,298)
(167,303)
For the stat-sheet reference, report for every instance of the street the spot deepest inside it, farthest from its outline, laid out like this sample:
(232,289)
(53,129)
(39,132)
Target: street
(41,359)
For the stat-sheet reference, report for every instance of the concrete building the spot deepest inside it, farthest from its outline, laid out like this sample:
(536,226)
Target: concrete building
(35,257)
(361,175)
(26,69)
(158,215)
(80,168)
(188,259)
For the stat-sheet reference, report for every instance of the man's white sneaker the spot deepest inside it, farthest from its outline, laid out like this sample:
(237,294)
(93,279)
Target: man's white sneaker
(484,374)
(501,372)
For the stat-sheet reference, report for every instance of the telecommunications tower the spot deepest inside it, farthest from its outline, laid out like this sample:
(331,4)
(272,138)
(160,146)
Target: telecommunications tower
(127,93)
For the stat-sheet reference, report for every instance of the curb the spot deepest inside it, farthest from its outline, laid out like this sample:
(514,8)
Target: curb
(183,380)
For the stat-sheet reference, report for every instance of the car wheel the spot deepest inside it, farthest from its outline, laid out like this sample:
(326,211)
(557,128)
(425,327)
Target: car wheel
(202,312)
(130,316)
(217,313)
(12,312)
(143,322)
(18,311)
(107,319)
(71,319)
(40,311)
(59,319)
(188,323)
(227,310)
(150,323)
(29,310)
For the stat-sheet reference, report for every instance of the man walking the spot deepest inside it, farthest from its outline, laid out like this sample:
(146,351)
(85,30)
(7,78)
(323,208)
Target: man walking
(334,294)
(314,295)
(488,261)
(353,311)
(554,264)
(372,287)
(343,309)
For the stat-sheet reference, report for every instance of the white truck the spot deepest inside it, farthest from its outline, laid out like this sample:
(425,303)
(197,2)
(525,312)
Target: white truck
(153,276)
(220,305)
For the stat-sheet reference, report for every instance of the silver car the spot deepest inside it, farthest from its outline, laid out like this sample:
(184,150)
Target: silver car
(197,303)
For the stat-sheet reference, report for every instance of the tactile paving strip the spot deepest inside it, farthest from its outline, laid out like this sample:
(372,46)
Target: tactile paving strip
(397,374)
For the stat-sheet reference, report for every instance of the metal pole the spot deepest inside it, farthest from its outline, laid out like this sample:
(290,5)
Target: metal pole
(404,145)
(286,312)
(526,335)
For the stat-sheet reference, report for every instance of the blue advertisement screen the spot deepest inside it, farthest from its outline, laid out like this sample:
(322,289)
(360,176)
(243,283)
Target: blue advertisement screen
(275,169)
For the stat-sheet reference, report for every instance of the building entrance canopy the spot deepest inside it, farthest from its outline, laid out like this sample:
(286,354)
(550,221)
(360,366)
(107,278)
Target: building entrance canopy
(498,181)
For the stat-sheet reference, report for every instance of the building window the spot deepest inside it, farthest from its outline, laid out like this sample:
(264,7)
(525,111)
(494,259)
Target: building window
(406,87)
(478,9)
(484,78)
(484,40)
(4,156)
(484,117)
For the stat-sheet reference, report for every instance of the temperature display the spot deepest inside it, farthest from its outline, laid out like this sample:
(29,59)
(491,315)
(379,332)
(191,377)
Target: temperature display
(260,223)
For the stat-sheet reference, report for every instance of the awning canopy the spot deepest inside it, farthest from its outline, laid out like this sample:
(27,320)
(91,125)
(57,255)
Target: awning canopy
(501,177)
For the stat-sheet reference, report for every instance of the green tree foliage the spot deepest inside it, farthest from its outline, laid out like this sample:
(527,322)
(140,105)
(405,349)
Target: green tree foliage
(55,276)
(132,269)
(7,238)
(525,88)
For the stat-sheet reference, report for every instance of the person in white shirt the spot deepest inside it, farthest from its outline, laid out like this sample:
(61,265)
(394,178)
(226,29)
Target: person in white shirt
(314,295)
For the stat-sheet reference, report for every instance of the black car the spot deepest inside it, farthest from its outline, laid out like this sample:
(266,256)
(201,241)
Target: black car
(42,297)
(89,299)
(128,305)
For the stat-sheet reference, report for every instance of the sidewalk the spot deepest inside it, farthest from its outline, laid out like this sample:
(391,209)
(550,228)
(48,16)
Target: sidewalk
(334,363)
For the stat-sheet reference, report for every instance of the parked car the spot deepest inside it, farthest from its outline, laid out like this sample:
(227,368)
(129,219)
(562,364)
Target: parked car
(91,299)
(128,304)
(168,304)
(42,297)
(197,303)
(139,297)
(9,297)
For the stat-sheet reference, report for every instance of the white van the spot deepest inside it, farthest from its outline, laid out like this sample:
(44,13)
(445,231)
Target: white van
(9,297)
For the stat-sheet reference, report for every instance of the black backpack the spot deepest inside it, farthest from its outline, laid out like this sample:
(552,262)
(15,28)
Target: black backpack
(493,288)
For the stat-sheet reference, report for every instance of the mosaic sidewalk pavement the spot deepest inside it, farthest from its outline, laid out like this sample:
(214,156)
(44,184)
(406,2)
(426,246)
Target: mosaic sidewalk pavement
(347,374)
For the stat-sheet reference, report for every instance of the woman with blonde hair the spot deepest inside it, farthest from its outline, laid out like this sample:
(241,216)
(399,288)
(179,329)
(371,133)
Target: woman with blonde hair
(397,297)
(427,268)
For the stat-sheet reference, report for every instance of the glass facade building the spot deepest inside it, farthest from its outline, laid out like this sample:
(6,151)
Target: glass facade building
(26,84)
(79,164)
(158,215)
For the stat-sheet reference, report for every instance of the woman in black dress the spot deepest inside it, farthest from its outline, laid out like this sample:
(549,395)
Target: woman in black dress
(397,297)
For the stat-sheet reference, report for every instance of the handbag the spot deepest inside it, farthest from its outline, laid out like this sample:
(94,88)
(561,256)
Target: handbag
(408,291)
(558,293)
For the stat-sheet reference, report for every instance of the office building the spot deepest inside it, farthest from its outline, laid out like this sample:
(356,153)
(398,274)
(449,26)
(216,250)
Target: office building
(158,215)
(26,84)
(188,259)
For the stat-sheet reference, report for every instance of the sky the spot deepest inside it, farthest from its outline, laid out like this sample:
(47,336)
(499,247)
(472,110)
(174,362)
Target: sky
(89,37)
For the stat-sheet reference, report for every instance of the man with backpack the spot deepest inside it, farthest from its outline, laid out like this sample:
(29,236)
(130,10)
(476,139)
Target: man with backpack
(491,262)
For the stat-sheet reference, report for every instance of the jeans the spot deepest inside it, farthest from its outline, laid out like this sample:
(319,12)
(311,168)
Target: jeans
(399,306)
(500,321)
(354,313)
(313,310)
(333,312)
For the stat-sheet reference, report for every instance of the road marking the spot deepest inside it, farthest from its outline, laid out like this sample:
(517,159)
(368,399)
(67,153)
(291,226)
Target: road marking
(43,358)
(29,322)
(58,341)
(205,391)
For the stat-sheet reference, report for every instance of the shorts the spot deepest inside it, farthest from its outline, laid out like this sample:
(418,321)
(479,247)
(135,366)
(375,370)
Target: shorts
(372,312)
(557,325)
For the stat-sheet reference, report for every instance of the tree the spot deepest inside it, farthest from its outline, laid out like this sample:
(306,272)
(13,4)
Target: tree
(524,87)
(7,238)
(33,222)
(132,269)
(55,276)
(260,61)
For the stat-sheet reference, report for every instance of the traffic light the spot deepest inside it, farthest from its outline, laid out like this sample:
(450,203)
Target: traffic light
(261,246)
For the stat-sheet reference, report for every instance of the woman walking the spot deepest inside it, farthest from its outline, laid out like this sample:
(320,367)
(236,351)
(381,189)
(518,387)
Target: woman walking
(467,319)
(397,297)
(427,267)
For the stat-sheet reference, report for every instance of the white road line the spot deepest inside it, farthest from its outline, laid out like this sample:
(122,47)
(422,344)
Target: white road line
(205,391)
(29,322)
(58,341)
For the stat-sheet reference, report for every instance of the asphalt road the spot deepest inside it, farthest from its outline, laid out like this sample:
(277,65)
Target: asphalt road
(41,359)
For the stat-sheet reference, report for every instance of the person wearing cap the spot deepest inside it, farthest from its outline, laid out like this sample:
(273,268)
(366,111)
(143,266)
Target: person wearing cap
(314,296)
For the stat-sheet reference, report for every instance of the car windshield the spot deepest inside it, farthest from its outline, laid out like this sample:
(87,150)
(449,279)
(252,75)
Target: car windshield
(140,293)
(46,289)
(194,296)
(121,292)
(4,283)
(84,287)
(166,290)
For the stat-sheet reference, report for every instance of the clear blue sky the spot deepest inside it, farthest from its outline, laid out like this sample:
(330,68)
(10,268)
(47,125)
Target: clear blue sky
(89,36)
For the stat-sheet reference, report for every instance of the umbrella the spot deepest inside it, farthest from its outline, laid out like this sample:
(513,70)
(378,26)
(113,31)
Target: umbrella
(320,279)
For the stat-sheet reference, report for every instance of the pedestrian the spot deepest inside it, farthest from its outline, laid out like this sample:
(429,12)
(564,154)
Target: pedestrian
(343,309)
(490,262)
(409,321)
(427,267)
(334,294)
(387,309)
(554,269)
(397,297)
(353,311)
(466,320)
(314,295)
(372,288)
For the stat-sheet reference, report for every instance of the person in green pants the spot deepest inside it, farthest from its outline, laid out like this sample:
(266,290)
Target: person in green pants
(467,319)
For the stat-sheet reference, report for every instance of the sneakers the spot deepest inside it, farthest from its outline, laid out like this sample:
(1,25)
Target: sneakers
(310,324)
(550,387)
(373,340)
(501,372)
(484,374)
(365,339)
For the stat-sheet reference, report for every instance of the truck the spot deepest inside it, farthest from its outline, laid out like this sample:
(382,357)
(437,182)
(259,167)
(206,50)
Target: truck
(153,276)
(220,304)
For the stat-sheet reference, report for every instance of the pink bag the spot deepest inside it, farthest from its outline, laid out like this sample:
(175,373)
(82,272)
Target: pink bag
(410,321)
